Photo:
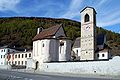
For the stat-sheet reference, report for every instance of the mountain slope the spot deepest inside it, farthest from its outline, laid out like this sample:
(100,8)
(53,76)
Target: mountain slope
(19,31)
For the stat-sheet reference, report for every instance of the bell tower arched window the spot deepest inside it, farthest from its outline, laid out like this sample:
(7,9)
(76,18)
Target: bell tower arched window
(87,18)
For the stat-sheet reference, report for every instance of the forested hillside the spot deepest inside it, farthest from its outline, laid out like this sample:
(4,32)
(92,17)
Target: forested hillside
(19,31)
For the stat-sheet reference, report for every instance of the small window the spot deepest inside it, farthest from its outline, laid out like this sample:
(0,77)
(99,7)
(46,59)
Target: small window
(77,51)
(18,62)
(4,56)
(1,50)
(87,18)
(25,55)
(16,56)
(1,56)
(103,55)
(22,62)
(19,56)
(61,43)
(29,55)
(97,55)
(22,55)
(4,50)
(8,50)
(43,45)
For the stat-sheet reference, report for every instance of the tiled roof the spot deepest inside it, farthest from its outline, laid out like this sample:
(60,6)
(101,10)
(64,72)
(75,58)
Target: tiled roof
(100,39)
(47,33)
(77,43)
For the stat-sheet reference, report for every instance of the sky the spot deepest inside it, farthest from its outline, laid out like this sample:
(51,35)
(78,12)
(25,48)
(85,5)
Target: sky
(108,11)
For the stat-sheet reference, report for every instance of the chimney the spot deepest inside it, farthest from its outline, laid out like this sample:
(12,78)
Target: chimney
(25,50)
(39,30)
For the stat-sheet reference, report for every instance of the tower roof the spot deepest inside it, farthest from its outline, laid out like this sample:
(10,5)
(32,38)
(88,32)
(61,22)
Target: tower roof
(90,8)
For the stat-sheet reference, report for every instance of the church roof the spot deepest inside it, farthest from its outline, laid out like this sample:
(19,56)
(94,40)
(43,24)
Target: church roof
(77,43)
(47,33)
(88,7)
(100,39)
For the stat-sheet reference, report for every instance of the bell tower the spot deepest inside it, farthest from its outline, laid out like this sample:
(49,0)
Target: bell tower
(88,33)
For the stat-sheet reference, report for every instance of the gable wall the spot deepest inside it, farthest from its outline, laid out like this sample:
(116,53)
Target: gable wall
(60,32)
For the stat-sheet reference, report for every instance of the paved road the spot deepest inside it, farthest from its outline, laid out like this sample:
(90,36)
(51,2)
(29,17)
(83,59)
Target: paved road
(13,75)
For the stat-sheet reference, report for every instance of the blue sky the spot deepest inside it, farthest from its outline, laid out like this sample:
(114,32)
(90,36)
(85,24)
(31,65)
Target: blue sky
(108,11)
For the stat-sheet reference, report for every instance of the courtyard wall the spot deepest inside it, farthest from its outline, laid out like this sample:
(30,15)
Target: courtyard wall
(111,67)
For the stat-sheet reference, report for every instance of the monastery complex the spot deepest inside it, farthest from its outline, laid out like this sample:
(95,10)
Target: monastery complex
(54,52)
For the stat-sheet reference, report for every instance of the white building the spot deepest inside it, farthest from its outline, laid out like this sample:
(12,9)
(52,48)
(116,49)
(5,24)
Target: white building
(76,49)
(103,51)
(51,45)
(90,45)
(19,58)
(3,54)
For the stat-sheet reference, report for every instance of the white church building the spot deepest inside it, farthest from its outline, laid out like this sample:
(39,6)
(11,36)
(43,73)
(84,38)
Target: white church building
(51,45)
(92,46)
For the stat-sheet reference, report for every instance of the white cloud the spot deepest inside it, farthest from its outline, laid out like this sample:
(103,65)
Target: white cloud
(75,4)
(109,23)
(109,19)
(101,3)
(8,4)
(73,9)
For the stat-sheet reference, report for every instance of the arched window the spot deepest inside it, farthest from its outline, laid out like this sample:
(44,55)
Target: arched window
(87,18)
(43,45)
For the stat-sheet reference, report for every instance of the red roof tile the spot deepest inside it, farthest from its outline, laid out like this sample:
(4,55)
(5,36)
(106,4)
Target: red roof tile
(47,33)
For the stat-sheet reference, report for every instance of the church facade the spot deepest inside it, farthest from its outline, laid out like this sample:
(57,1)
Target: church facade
(51,45)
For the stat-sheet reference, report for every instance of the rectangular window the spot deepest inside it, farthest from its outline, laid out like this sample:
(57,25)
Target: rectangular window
(22,55)
(29,55)
(1,50)
(1,56)
(25,55)
(19,56)
(103,55)
(18,62)
(22,62)
(77,51)
(97,55)
(16,56)
(8,50)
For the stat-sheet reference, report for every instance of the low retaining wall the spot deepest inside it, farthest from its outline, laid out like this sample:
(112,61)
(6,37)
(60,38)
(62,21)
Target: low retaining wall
(111,67)
(5,67)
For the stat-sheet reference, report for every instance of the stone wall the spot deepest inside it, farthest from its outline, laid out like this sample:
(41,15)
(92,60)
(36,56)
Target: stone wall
(111,67)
